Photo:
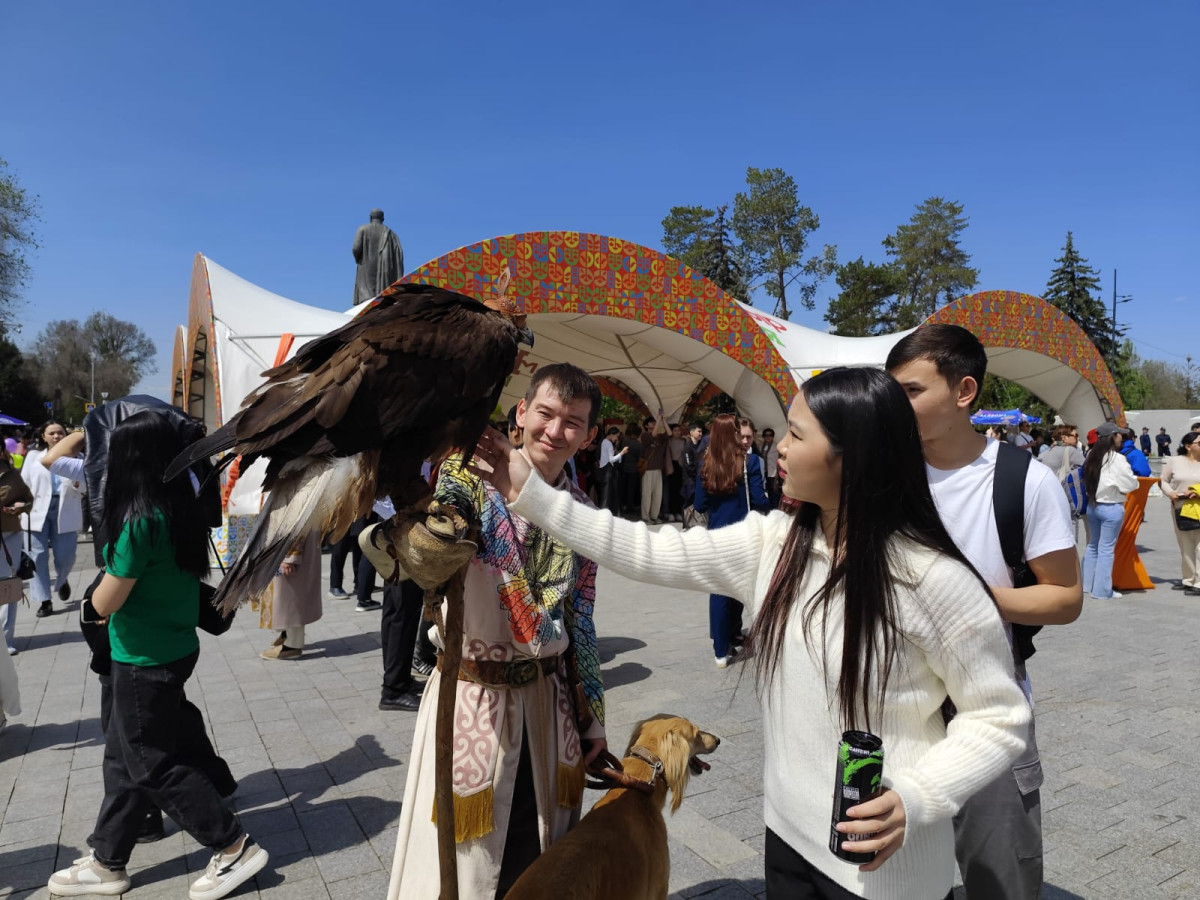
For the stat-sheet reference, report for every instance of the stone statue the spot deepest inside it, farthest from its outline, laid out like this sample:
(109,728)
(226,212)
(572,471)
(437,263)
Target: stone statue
(379,256)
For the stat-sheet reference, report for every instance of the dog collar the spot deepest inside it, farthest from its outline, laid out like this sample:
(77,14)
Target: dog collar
(611,774)
(650,759)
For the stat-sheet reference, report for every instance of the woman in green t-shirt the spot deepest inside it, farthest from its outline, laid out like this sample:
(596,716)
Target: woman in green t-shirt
(150,596)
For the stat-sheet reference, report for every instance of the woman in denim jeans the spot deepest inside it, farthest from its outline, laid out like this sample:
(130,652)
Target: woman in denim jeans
(1107,478)
(150,596)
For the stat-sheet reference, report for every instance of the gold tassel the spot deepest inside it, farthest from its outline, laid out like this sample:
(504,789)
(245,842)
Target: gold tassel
(570,785)
(472,815)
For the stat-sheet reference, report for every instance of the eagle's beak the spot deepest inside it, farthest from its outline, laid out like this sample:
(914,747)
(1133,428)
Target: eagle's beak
(526,335)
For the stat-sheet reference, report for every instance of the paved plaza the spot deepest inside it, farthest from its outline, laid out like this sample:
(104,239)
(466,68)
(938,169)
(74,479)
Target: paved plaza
(322,770)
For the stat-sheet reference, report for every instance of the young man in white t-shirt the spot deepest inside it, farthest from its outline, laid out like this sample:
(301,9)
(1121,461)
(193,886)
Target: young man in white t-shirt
(998,832)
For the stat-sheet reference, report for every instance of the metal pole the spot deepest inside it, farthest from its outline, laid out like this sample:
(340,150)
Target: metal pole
(93,376)
(1114,316)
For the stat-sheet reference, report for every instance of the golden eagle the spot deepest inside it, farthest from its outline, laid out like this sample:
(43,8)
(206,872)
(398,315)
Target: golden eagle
(354,414)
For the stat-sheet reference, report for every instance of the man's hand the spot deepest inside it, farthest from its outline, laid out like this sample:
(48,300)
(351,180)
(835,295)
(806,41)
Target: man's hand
(507,469)
(287,568)
(592,749)
(884,819)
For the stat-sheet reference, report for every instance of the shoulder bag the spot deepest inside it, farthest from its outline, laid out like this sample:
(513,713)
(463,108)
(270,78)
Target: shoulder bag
(12,589)
(27,568)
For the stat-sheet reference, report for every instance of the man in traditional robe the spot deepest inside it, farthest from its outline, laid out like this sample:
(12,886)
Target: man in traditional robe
(379,256)
(529,712)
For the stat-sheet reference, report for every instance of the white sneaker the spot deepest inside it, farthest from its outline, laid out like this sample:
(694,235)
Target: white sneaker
(87,876)
(1117,595)
(722,661)
(227,871)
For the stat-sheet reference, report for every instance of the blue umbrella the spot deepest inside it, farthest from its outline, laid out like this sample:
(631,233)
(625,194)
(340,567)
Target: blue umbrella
(1003,417)
(9,420)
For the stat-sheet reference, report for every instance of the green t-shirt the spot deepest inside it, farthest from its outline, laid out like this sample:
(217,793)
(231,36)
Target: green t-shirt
(157,624)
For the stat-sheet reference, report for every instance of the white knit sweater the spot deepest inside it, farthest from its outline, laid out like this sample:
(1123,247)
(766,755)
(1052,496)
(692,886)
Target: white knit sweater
(954,644)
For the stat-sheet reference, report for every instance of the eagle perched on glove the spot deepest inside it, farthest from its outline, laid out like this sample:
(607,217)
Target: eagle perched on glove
(354,414)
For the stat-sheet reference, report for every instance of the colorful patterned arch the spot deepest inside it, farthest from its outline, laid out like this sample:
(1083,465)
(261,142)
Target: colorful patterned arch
(576,272)
(1025,322)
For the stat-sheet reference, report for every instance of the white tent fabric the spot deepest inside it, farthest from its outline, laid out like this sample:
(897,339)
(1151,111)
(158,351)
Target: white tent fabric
(661,366)
(247,323)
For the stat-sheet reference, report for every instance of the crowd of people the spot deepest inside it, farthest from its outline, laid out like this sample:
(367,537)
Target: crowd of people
(869,590)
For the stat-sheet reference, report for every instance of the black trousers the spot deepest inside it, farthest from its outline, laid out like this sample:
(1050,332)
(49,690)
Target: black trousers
(145,764)
(792,877)
(398,624)
(674,491)
(522,844)
(194,746)
(347,546)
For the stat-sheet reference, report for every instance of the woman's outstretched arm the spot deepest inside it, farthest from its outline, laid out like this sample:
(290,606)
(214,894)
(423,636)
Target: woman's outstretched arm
(725,561)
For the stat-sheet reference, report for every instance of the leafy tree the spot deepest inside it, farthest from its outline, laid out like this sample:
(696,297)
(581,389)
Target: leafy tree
(18,394)
(62,360)
(1133,386)
(701,239)
(867,302)
(685,233)
(1074,287)
(935,268)
(774,230)
(17,210)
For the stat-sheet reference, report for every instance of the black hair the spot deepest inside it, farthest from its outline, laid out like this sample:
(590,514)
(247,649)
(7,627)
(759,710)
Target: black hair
(648,421)
(570,383)
(512,418)
(1094,461)
(39,439)
(956,352)
(612,429)
(139,450)
(881,496)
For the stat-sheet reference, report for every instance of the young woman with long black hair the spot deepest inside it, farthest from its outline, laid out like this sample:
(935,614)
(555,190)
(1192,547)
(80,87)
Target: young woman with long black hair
(150,595)
(866,616)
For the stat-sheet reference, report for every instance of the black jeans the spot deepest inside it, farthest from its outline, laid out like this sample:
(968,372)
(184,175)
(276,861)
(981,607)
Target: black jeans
(792,877)
(398,623)
(147,762)
(194,746)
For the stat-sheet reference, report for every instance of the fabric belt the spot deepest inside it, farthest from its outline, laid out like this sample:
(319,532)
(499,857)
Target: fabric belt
(496,674)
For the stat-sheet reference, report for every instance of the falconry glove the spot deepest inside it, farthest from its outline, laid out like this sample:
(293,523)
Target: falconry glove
(428,551)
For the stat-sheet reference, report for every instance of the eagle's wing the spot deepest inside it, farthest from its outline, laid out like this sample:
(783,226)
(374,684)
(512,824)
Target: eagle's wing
(401,378)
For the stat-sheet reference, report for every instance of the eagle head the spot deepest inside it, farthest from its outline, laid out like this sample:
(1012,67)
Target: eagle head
(509,308)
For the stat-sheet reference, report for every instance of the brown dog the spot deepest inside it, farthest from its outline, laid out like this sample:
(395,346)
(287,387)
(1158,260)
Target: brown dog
(618,851)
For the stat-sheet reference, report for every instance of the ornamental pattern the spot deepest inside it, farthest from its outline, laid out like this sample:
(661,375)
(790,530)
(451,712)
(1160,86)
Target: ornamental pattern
(581,273)
(1025,322)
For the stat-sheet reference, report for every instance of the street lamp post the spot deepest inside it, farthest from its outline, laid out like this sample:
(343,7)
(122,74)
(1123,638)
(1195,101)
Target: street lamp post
(1117,298)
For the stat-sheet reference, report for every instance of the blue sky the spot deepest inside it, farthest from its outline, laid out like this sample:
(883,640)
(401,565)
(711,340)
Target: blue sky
(261,134)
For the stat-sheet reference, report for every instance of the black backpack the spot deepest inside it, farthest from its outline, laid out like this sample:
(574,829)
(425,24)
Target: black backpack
(98,426)
(1008,505)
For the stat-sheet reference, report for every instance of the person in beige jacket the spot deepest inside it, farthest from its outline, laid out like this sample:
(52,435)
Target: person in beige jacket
(1179,475)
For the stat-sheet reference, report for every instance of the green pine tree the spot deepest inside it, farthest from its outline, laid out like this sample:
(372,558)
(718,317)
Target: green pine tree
(1074,287)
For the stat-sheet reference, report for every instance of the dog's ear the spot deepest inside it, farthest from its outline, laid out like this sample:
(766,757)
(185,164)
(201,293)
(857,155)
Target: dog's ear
(675,753)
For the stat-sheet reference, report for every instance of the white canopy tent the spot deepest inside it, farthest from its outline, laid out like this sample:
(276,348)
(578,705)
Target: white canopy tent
(664,341)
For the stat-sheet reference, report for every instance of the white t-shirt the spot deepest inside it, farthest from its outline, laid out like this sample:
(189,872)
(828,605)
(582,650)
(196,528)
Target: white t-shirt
(964,500)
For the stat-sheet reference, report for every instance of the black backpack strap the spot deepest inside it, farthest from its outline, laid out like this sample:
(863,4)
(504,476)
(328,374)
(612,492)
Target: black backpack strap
(1008,506)
(1008,501)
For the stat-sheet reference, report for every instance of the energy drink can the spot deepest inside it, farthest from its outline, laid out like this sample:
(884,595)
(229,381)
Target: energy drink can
(859,778)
